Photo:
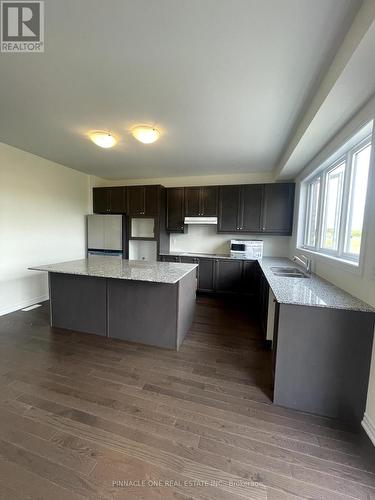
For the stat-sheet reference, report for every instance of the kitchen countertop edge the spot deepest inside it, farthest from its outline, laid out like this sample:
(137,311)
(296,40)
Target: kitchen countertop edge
(102,269)
(322,293)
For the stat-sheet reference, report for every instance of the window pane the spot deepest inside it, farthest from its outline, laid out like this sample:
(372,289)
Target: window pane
(312,213)
(332,207)
(357,199)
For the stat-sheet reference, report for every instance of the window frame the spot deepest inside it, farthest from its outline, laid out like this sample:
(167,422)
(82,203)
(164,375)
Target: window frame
(322,173)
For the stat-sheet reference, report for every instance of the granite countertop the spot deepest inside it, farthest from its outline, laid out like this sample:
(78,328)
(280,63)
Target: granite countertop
(312,291)
(114,267)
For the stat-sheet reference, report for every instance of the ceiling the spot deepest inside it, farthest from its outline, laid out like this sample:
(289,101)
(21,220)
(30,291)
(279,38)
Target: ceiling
(225,80)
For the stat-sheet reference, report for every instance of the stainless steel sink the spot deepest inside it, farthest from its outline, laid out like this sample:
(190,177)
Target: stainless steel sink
(289,272)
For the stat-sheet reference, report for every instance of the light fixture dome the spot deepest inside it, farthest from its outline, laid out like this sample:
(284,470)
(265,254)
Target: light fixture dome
(146,134)
(103,139)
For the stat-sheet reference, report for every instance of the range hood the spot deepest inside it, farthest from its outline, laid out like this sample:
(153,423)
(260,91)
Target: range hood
(200,220)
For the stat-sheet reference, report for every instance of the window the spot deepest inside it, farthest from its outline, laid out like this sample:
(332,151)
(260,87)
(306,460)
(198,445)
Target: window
(335,203)
(312,212)
(332,207)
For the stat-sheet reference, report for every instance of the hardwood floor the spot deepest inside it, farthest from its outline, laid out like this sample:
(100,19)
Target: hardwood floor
(80,416)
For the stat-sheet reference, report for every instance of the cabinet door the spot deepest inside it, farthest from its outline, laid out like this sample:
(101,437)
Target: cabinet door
(249,276)
(229,199)
(136,196)
(175,210)
(278,208)
(206,275)
(193,202)
(151,200)
(251,207)
(228,275)
(101,202)
(117,200)
(209,199)
(171,258)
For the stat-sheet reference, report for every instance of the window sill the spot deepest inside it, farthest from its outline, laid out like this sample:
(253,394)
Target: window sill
(344,265)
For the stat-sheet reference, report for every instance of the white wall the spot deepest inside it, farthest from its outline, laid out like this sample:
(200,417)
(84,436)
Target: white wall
(42,220)
(359,283)
(205,239)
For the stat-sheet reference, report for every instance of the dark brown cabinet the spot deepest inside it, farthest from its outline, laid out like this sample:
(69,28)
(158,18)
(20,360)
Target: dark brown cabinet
(229,197)
(251,207)
(228,275)
(247,208)
(250,276)
(101,202)
(240,208)
(206,275)
(118,200)
(222,275)
(109,200)
(192,201)
(201,201)
(144,200)
(175,209)
(170,258)
(278,208)
(256,208)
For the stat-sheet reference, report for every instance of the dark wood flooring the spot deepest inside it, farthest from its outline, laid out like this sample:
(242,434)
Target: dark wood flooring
(86,417)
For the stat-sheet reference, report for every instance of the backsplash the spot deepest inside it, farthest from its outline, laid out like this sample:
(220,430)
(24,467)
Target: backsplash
(205,239)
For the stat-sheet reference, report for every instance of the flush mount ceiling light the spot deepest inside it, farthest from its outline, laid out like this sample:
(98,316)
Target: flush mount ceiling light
(103,139)
(146,134)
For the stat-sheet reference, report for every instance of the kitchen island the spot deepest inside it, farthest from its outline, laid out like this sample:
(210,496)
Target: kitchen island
(147,302)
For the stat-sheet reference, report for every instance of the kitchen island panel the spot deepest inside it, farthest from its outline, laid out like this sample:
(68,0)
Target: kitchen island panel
(78,303)
(143,312)
(187,288)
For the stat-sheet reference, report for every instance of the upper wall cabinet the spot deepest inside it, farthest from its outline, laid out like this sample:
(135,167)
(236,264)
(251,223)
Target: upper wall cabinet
(201,201)
(256,208)
(144,200)
(109,200)
(229,205)
(175,209)
(251,196)
(240,208)
(278,204)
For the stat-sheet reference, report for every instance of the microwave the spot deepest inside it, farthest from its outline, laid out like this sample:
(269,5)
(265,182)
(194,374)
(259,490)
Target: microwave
(246,249)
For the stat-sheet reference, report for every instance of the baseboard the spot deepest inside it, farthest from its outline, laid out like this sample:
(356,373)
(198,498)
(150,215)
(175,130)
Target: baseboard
(369,427)
(21,305)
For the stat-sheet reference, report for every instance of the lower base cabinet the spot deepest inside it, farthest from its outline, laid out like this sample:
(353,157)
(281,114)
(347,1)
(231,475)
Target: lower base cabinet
(228,275)
(222,275)
(206,275)
(322,360)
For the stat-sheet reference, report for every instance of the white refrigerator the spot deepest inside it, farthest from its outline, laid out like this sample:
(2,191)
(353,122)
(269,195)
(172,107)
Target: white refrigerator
(104,235)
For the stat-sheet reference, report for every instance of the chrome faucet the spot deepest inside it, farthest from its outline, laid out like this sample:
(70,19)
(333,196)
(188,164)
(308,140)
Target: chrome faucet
(304,261)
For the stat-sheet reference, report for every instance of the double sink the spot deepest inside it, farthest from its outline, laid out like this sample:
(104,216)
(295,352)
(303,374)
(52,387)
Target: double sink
(289,272)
